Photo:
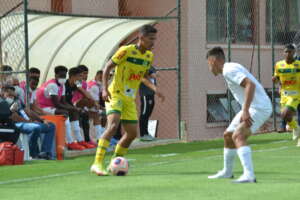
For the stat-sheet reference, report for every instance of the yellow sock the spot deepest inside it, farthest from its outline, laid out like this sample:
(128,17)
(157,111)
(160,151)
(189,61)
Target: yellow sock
(293,124)
(101,150)
(120,151)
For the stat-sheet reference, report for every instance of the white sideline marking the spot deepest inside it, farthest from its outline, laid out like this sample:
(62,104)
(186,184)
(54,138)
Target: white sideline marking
(165,155)
(39,177)
(150,164)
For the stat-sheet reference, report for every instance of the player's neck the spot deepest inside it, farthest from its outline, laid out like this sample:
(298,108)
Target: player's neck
(140,48)
(289,61)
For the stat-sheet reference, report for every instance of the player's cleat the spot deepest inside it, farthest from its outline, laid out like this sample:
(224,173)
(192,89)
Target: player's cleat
(296,133)
(99,169)
(245,179)
(221,174)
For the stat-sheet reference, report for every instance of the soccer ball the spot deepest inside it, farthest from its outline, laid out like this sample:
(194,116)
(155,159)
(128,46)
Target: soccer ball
(119,166)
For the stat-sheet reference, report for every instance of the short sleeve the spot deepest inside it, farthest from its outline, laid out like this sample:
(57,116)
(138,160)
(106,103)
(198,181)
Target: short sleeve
(52,89)
(33,97)
(120,55)
(95,92)
(64,91)
(235,75)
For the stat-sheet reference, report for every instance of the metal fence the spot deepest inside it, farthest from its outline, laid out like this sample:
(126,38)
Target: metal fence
(256,26)
(12,46)
(165,50)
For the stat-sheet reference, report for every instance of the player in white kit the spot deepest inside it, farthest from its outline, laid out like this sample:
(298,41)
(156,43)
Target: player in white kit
(256,109)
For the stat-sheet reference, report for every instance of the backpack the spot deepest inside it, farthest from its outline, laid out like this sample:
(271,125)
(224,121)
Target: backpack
(10,154)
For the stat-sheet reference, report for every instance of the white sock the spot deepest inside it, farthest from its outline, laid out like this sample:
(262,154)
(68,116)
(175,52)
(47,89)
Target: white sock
(229,155)
(68,131)
(245,156)
(99,131)
(76,129)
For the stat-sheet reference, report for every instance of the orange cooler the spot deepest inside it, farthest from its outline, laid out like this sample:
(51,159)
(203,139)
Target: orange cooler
(59,121)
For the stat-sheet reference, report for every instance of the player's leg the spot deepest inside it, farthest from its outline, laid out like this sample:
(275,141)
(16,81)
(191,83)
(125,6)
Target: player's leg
(288,113)
(229,150)
(240,137)
(114,109)
(113,121)
(129,122)
(283,123)
(228,155)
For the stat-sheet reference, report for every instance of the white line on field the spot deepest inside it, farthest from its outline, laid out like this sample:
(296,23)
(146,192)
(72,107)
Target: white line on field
(150,164)
(39,177)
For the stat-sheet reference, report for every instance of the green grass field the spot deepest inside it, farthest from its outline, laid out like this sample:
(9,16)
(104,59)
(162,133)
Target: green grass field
(173,172)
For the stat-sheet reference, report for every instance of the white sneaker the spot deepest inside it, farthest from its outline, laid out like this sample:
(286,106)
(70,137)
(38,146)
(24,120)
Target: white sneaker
(298,144)
(296,133)
(221,174)
(245,179)
(147,138)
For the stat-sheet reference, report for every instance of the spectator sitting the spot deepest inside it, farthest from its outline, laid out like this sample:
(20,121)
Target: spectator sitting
(71,88)
(9,132)
(32,126)
(51,98)
(33,72)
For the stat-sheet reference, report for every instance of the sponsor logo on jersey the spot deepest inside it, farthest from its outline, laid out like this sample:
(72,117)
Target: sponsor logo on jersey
(289,82)
(135,77)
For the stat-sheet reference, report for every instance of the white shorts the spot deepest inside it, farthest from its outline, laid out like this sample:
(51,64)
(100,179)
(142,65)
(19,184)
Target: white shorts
(49,110)
(258,116)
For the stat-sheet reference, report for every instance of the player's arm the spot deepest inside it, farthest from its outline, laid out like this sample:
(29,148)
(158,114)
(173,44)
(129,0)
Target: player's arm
(149,84)
(249,94)
(85,93)
(275,77)
(110,65)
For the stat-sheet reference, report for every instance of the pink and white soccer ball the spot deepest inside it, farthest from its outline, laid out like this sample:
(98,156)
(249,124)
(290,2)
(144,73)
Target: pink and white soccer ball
(119,166)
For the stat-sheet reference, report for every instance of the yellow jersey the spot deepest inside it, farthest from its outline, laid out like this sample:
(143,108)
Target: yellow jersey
(131,68)
(289,76)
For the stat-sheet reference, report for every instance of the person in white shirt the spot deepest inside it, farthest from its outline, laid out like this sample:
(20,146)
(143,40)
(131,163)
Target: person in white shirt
(256,110)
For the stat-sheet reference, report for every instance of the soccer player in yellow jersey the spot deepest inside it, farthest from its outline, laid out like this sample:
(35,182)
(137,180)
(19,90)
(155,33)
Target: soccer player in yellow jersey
(287,74)
(131,65)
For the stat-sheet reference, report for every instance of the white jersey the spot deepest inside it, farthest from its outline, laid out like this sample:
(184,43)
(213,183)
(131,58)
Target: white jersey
(234,74)
(52,89)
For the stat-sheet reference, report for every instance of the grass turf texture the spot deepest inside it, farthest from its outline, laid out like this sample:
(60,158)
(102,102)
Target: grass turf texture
(171,172)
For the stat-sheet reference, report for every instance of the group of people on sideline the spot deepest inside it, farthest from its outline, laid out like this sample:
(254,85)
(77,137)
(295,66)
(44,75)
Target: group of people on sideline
(105,101)
(68,94)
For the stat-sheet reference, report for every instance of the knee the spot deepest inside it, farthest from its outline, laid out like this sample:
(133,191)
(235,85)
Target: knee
(112,127)
(37,129)
(131,136)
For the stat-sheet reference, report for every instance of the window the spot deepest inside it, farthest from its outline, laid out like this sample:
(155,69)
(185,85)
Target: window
(217,108)
(286,19)
(242,20)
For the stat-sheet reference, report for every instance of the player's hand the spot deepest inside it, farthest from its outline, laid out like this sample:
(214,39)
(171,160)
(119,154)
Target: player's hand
(246,118)
(160,95)
(106,95)
(274,79)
